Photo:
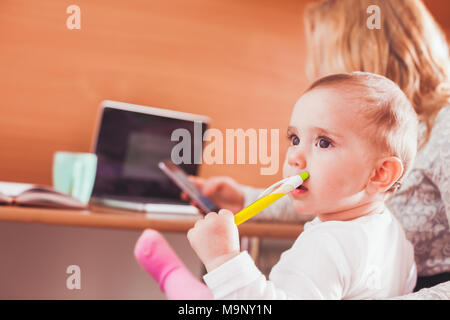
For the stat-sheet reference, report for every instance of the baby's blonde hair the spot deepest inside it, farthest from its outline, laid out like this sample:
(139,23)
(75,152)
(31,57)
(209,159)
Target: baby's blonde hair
(409,48)
(389,120)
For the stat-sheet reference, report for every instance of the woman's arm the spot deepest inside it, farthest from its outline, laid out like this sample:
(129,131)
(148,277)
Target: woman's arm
(440,170)
(439,292)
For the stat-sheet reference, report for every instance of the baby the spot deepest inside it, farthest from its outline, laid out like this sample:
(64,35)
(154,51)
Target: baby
(356,135)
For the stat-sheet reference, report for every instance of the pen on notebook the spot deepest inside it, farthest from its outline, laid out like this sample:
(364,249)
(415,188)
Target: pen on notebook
(269,196)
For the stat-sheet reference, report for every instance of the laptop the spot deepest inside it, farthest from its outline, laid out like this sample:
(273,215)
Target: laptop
(129,141)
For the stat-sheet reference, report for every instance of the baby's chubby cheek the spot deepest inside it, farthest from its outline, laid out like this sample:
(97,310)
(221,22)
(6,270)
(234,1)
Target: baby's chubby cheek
(345,182)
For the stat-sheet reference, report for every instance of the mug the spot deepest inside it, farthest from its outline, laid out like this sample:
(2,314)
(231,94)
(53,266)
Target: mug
(74,174)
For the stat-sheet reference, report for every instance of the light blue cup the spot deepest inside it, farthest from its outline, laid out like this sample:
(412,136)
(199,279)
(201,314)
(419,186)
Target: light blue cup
(74,174)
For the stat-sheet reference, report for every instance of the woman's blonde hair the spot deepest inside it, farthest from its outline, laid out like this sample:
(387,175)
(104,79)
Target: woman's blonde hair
(409,48)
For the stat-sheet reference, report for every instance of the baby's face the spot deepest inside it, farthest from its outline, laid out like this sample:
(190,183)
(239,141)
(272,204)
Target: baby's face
(326,140)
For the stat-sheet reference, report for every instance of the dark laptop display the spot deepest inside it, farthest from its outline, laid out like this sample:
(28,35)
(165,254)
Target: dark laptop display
(129,148)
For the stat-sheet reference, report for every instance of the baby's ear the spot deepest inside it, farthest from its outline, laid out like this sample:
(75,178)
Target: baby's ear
(385,173)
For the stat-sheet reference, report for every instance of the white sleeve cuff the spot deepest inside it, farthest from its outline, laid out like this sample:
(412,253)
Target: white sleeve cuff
(232,275)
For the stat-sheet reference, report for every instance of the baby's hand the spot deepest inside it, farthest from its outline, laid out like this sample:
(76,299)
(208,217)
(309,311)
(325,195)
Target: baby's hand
(215,238)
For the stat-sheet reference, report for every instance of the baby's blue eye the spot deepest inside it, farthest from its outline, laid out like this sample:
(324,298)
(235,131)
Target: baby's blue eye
(294,140)
(323,143)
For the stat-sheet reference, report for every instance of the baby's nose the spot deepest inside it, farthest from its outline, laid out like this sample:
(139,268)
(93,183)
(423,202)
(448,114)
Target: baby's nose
(297,159)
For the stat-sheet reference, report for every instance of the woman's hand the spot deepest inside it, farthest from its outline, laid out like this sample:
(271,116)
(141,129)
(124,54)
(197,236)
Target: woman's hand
(215,239)
(223,191)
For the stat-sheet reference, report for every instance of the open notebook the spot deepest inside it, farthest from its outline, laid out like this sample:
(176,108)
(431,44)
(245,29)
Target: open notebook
(25,194)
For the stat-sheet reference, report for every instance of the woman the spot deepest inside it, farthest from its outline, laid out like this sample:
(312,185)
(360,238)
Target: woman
(410,49)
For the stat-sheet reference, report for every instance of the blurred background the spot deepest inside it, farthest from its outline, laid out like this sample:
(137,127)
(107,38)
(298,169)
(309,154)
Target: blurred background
(240,62)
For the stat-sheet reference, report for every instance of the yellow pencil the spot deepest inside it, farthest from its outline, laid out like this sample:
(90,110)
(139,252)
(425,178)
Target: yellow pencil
(269,196)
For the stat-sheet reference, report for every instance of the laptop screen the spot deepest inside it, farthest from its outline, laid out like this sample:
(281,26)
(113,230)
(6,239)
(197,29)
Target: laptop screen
(129,147)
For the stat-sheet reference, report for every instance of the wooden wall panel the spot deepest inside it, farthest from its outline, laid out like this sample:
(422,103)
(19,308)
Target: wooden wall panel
(238,61)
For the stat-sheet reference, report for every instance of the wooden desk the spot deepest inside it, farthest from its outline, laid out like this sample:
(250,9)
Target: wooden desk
(103,217)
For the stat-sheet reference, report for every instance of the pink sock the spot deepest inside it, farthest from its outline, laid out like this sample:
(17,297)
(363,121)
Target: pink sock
(156,256)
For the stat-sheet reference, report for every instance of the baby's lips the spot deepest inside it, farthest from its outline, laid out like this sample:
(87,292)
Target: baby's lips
(303,185)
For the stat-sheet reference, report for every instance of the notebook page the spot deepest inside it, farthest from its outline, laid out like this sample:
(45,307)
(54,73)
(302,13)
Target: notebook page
(12,189)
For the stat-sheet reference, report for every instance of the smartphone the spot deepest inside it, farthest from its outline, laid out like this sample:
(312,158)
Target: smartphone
(177,175)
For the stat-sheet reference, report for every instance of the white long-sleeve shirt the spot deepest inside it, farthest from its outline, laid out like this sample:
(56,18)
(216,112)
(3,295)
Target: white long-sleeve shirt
(368,257)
